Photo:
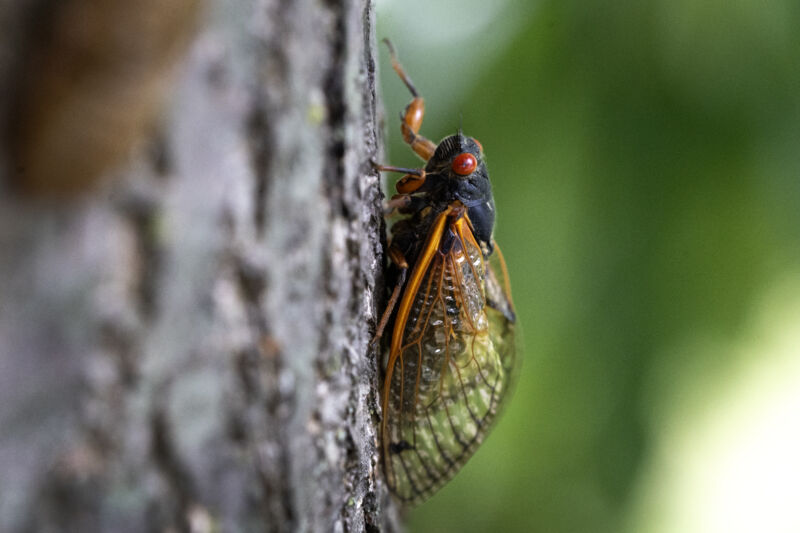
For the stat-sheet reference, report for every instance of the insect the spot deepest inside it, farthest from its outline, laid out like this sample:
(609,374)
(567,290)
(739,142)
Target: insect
(451,350)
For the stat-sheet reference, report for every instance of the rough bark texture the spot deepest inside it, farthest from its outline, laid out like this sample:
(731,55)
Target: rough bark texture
(185,345)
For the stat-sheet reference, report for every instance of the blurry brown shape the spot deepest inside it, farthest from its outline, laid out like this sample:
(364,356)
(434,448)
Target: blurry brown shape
(93,84)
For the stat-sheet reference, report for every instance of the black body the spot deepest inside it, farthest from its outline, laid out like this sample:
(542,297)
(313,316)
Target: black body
(441,188)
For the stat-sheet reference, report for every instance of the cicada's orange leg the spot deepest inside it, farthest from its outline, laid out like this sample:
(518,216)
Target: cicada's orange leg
(397,257)
(413,180)
(412,116)
(398,202)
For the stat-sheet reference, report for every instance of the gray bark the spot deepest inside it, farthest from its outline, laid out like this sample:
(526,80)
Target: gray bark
(184,344)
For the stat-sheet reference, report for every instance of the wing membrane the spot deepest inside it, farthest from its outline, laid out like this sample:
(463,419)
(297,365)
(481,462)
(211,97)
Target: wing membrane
(449,363)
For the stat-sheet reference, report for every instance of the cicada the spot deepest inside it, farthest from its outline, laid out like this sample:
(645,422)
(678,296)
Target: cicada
(451,352)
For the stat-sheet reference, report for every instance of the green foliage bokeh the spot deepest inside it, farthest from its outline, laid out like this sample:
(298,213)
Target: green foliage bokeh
(646,165)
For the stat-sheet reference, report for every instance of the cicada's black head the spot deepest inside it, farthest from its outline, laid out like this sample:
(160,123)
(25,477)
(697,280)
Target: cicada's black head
(457,171)
(457,157)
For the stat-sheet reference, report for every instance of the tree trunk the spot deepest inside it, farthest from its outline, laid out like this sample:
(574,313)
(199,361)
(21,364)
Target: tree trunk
(184,343)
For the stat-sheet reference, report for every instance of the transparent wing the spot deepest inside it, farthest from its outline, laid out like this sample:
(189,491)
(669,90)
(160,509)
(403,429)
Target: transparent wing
(502,317)
(448,374)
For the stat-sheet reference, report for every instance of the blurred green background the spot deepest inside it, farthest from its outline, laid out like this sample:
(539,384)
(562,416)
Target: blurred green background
(645,157)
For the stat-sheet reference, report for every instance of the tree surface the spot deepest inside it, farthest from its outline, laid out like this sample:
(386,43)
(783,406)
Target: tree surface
(190,267)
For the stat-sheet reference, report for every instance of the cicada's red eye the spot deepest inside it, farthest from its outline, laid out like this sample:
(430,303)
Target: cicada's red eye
(464,164)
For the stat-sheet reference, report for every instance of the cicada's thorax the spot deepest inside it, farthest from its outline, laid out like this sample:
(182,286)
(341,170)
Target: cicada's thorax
(443,188)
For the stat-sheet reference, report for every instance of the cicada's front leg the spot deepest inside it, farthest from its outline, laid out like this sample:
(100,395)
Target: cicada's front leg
(414,179)
(399,203)
(412,116)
